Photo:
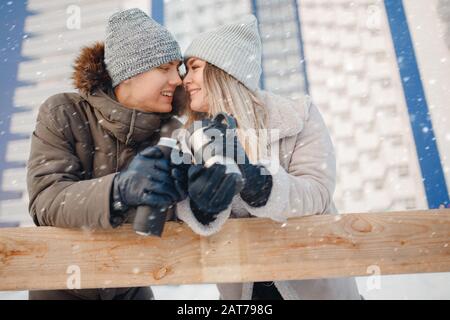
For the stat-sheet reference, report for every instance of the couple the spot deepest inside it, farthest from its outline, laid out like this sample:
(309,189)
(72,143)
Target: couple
(93,157)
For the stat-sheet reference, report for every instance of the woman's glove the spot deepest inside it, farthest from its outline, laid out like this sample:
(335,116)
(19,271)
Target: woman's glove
(257,179)
(258,184)
(211,190)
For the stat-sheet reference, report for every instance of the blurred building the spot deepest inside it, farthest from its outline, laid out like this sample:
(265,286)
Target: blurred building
(377,70)
(283,65)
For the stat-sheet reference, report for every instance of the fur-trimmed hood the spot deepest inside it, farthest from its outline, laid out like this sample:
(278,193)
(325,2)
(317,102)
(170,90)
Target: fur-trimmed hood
(90,72)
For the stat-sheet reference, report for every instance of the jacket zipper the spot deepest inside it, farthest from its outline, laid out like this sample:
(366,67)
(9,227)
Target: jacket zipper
(117,155)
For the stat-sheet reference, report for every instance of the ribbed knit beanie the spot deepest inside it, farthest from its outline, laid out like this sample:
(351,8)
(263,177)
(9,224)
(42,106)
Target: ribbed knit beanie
(235,48)
(135,43)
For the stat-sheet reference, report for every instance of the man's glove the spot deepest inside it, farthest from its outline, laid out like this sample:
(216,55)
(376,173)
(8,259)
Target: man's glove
(179,173)
(147,181)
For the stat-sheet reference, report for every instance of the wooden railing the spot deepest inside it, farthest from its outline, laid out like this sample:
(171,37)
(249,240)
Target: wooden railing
(320,246)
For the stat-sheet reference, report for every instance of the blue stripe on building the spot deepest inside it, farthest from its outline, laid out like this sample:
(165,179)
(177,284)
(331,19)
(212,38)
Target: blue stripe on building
(425,141)
(295,7)
(13,15)
(158,11)
(255,13)
(300,45)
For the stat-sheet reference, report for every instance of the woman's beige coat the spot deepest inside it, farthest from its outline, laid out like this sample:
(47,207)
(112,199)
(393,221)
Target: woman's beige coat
(303,184)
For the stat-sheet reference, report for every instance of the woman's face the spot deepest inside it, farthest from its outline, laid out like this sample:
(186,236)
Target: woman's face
(151,91)
(193,83)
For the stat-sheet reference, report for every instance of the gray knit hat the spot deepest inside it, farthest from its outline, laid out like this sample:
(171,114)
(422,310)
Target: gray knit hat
(135,43)
(234,48)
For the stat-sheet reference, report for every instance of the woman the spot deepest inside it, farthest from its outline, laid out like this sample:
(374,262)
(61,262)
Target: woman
(223,73)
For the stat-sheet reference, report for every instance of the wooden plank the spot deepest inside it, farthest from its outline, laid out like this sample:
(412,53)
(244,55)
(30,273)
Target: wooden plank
(320,246)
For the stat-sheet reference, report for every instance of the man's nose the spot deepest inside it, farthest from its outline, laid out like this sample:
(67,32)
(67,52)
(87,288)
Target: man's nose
(176,79)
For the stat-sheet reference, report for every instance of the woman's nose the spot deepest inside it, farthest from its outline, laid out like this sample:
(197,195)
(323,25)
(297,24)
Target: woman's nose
(187,79)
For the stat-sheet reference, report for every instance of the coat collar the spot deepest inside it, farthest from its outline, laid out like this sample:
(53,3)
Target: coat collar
(284,115)
(129,126)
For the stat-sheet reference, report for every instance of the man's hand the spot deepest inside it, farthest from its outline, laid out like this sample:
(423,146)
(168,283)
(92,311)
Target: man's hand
(148,181)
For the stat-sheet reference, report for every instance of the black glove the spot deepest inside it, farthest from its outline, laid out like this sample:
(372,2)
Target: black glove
(147,181)
(179,173)
(258,181)
(211,190)
(258,185)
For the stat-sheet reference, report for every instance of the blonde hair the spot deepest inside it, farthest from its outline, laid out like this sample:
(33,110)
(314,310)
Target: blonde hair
(226,94)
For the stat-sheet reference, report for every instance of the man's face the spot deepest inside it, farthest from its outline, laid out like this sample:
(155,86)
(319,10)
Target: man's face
(151,91)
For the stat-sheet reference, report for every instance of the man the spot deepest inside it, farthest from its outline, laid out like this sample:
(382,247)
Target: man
(92,161)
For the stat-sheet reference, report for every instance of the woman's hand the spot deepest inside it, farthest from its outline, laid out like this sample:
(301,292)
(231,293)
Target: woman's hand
(258,184)
(257,179)
(210,189)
